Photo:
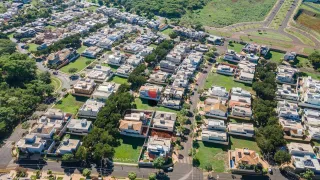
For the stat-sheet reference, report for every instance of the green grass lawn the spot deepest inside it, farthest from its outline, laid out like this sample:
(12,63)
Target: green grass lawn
(270,42)
(56,82)
(167,31)
(150,105)
(220,13)
(32,47)
(225,81)
(33,177)
(129,149)
(235,46)
(79,63)
(153,45)
(213,154)
(92,8)
(303,62)
(10,35)
(71,103)
(219,33)
(308,51)
(315,7)
(51,27)
(243,142)
(271,35)
(275,56)
(119,80)
(81,49)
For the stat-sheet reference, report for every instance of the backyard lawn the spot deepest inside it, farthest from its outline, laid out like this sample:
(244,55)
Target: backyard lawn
(32,47)
(213,154)
(220,13)
(129,149)
(275,56)
(119,80)
(79,63)
(236,47)
(243,142)
(150,105)
(308,51)
(71,103)
(225,81)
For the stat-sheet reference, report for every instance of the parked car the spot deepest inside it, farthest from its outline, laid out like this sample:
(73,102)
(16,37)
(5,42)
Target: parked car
(170,169)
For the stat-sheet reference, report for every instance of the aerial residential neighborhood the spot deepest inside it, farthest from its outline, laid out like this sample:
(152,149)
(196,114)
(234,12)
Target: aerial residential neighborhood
(147,89)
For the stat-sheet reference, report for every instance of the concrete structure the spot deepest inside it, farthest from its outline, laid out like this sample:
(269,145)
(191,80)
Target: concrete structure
(90,109)
(79,126)
(68,146)
(84,86)
(31,144)
(288,110)
(159,147)
(151,92)
(226,70)
(100,73)
(241,112)
(241,129)
(164,121)
(104,90)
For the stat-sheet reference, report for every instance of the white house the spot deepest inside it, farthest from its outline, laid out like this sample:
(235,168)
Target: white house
(31,144)
(241,111)
(226,70)
(164,121)
(241,129)
(79,126)
(151,92)
(159,147)
(90,109)
(104,90)
(218,91)
(68,146)
(240,92)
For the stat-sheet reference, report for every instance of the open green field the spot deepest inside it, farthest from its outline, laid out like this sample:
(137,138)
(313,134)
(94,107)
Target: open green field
(308,51)
(281,14)
(271,35)
(309,21)
(246,26)
(310,6)
(119,80)
(275,56)
(167,31)
(243,142)
(32,47)
(129,149)
(56,82)
(79,63)
(264,41)
(150,105)
(213,154)
(236,47)
(225,81)
(220,13)
(71,103)
(219,33)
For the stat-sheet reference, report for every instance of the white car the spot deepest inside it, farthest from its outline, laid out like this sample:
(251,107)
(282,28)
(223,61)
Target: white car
(170,169)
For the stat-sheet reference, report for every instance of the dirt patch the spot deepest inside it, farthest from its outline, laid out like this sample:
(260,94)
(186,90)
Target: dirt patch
(312,22)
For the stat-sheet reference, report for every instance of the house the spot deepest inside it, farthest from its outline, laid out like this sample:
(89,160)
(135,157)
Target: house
(135,60)
(287,92)
(202,48)
(216,110)
(116,59)
(167,66)
(290,56)
(218,91)
(124,70)
(311,98)
(31,144)
(100,73)
(134,123)
(43,130)
(91,52)
(232,56)
(288,110)
(311,120)
(252,58)
(244,159)
(158,147)
(226,70)
(246,77)
(79,126)
(68,146)
(219,137)
(240,101)
(24,32)
(158,77)
(172,97)
(174,57)
(240,92)
(251,48)
(292,128)
(90,109)
(286,74)
(62,57)
(190,33)
(164,121)
(180,80)
(303,157)
(214,125)
(215,40)
(104,90)
(241,129)
(84,86)
(309,84)
(241,111)
(264,50)
(133,48)
(151,92)
(105,43)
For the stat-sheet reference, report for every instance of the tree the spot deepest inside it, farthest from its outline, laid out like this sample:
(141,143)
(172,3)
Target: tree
(132,175)
(208,167)
(49,172)
(56,138)
(158,162)
(45,77)
(88,62)
(152,176)
(21,172)
(308,174)
(82,153)
(315,58)
(282,157)
(38,174)
(173,35)
(72,70)
(86,172)
(67,157)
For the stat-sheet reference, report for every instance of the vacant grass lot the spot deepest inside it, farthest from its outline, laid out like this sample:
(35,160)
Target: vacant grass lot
(79,63)
(150,105)
(220,13)
(119,80)
(71,104)
(282,13)
(309,21)
(219,33)
(243,142)
(56,82)
(275,56)
(129,149)
(236,47)
(270,42)
(271,35)
(225,81)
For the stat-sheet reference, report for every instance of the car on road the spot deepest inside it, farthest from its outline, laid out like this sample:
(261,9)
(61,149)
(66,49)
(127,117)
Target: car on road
(170,169)
(55,73)
(270,171)
(74,77)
